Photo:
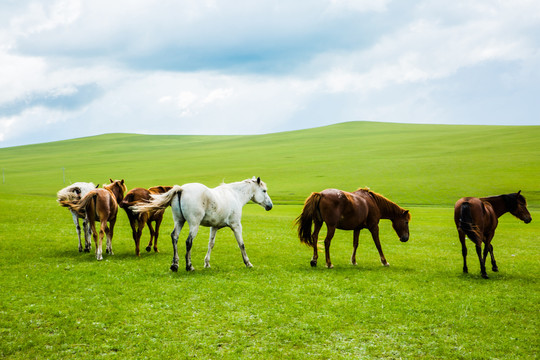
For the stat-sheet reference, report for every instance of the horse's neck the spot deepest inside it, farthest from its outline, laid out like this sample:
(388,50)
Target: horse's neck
(116,193)
(243,190)
(388,209)
(497,203)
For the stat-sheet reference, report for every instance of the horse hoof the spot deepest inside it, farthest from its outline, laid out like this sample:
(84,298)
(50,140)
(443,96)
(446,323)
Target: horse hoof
(174,267)
(485,276)
(313,263)
(86,250)
(148,248)
(465,270)
(207,266)
(189,268)
(249,265)
(495,269)
(387,264)
(80,249)
(330,266)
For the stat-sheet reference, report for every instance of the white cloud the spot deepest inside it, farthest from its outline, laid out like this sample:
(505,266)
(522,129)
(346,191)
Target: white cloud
(252,67)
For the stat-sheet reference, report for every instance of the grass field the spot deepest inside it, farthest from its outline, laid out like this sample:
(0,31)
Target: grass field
(58,303)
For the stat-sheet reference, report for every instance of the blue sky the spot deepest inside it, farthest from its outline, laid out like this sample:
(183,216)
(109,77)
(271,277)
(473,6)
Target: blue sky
(73,68)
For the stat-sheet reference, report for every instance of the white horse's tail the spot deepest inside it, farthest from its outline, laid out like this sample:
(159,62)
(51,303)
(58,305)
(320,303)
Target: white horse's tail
(158,202)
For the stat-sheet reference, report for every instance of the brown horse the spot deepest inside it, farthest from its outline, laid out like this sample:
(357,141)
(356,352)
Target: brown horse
(478,218)
(137,220)
(355,211)
(101,205)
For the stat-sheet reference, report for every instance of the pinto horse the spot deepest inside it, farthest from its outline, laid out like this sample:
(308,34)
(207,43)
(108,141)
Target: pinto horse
(215,208)
(75,192)
(478,218)
(343,210)
(137,220)
(101,205)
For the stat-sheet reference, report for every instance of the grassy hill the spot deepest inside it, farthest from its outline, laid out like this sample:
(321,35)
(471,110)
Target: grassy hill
(58,303)
(411,164)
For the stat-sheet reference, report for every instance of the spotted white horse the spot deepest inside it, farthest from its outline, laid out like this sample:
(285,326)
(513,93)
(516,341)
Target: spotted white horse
(75,192)
(215,208)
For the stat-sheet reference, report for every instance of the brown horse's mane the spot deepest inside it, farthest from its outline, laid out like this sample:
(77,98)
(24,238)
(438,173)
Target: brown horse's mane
(386,206)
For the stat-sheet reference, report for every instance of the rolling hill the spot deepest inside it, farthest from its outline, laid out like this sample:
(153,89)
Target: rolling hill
(411,164)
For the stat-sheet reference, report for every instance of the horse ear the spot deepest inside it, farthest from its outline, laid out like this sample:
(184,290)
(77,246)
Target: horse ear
(259,180)
(111,180)
(122,182)
(519,192)
(97,186)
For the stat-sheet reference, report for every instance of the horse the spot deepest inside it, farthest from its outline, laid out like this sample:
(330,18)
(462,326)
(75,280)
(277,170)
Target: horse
(101,205)
(137,220)
(75,192)
(361,209)
(477,218)
(215,208)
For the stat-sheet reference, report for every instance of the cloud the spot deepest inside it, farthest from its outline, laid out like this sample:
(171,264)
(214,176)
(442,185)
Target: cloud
(240,67)
(65,98)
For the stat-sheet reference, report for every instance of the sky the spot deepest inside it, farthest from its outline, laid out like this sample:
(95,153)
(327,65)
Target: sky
(72,68)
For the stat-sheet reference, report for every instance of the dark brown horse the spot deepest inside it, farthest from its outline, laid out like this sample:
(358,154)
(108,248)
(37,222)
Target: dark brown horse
(355,211)
(478,218)
(100,205)
(137,220)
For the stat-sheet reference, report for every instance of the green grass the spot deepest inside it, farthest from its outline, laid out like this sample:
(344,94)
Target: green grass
(58,303)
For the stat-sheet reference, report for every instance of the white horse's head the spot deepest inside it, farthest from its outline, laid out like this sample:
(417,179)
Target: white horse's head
(260,194)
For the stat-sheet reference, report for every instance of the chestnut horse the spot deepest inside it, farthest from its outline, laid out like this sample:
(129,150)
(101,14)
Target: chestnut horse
(75,192)
(137,220)
(343,210)
(100,205)
(478,218)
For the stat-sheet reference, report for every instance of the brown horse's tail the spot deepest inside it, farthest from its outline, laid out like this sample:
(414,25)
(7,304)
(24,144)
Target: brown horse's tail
(128,201)
(305,220)
(79,206)
(466,222)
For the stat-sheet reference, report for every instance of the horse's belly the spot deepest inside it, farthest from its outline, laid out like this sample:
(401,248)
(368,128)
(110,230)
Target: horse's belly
(210,221)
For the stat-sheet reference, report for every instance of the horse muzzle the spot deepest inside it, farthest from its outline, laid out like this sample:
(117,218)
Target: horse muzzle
(268,207)
(404,238)
(527,220)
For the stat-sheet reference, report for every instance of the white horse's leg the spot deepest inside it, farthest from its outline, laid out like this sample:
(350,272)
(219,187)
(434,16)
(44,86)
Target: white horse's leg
(237,229)
(211,243)
(87,236)
(78,227)
(193,230)
(178,224)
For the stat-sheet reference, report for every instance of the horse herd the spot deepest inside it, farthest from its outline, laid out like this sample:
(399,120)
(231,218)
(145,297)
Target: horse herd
(219,207)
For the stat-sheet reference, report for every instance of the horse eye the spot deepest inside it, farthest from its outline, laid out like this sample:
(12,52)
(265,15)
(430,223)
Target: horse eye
(264,191)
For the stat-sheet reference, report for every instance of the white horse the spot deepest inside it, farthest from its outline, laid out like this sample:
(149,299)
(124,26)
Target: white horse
(75,192)
(215,208)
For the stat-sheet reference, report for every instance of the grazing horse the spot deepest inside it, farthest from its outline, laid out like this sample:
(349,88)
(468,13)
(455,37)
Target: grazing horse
(101,205)
(75,192)
(343,210)
(215,208)
(478,218)
(137,220)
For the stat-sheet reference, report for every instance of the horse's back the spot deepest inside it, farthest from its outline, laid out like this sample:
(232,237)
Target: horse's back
(343,209)
(481,212)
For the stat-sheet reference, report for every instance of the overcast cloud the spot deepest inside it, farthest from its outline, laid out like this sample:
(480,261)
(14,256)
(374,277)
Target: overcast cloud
(73,68)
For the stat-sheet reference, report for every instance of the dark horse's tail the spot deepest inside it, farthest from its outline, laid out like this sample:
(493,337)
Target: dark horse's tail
(304,221)
(466,222)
